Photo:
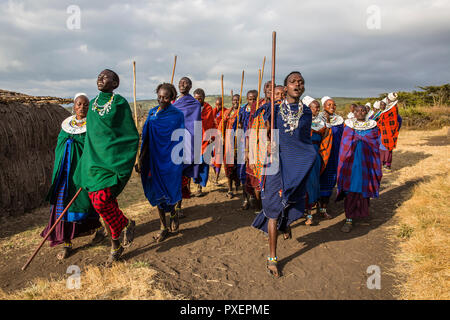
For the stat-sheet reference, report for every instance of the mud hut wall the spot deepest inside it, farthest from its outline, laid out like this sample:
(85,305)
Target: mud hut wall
(28,139)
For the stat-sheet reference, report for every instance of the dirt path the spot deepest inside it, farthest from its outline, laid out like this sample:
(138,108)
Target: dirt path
(217,255)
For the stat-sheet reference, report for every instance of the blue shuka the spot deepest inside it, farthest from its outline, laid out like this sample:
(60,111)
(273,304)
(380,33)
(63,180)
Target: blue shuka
(192,111)
(329,175)
(313,185)
(160,176)
(283,194)
(244,118)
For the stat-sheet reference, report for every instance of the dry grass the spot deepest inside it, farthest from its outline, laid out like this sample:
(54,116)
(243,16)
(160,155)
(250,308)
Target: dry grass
(423,222)
(123,281)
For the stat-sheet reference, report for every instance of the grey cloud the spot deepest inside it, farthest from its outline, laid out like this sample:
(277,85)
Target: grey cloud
(327,41)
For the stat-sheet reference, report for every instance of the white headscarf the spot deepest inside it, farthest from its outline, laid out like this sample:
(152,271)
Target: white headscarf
(368,105)
(376,105)
(307,100)
(79,95)
(392,96)
(324,99)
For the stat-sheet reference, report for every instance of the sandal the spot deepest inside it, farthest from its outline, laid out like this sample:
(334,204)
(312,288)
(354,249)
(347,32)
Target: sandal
(114,255)
(324,214)
(347,227)
(99,236)
(245,205)
(129,234)
(181,215)
(65,251)
(309,220)
(174,222)
(287,234)
(272,263)
(162,235)
(230,194)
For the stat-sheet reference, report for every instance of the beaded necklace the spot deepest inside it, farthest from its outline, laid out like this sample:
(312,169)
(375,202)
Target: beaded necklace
(317,123)
(335,119)
(289,117)
(360,125)
(101,110)
(75,122)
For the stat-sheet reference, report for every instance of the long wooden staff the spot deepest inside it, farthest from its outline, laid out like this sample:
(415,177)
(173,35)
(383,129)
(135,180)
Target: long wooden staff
(262,72)
(257,106)
(223,116)
(240,99)
(134,94)
(259,88)
(135,109)
(173,69)
(272,94)
(51,230)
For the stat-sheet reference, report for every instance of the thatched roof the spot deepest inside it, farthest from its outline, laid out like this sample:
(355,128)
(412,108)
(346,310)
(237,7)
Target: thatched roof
(11,97)
(28,135)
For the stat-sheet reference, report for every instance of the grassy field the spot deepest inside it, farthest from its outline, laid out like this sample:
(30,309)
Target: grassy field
(422,225)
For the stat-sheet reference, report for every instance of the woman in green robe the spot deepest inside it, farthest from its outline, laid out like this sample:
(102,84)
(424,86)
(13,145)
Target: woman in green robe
(81,218)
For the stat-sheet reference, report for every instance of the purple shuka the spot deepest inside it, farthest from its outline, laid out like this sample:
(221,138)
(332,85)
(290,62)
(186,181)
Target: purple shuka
(192,111)
(369,157)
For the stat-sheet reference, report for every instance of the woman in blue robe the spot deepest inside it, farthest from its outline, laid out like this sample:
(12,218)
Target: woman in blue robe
(329,175)
(160,175)
(283,193)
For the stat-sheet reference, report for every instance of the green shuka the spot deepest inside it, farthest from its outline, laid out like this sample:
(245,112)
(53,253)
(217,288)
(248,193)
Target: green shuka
(82,203)
(110,147)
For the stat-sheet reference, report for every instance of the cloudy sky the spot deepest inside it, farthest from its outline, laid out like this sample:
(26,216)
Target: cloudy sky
(342,48)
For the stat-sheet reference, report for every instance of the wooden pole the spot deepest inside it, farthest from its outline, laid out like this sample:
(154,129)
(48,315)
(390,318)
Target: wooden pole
(223,116)
(134,95)
(240,99)
(51,230)
(262,72)
(259,88)
(173,69)
(272,94)
(135,108)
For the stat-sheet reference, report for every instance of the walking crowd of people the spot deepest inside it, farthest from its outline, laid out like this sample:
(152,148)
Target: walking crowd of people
(287,160)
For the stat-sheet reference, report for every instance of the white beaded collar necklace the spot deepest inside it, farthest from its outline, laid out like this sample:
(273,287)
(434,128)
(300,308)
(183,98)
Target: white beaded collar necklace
(68,125)
(335,119)
(360,125)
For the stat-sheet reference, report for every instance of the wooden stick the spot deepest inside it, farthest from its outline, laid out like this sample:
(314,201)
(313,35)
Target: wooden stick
(259,88)
(173,69)
(135,108)
(134,95)
(223,116)
(262,72)
(240,99)
(272,94)
(51,230)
